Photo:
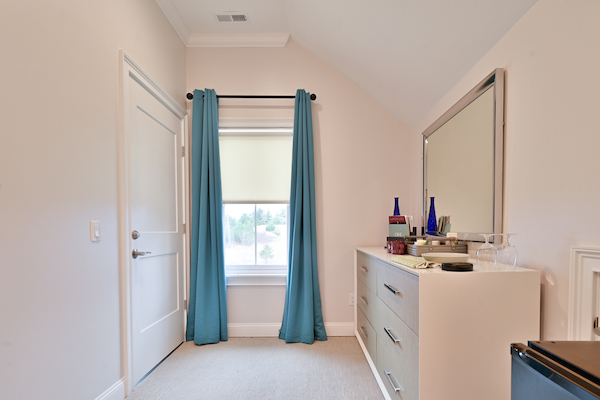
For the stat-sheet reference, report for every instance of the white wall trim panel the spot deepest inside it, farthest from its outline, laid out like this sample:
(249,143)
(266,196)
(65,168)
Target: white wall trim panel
(115,392)
(237,40)
(175,19)
(584,292)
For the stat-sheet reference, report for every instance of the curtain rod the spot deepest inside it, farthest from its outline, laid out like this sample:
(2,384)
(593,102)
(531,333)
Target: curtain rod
(313,96)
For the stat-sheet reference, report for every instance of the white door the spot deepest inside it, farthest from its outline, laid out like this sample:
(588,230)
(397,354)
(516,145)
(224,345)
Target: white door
(155,187)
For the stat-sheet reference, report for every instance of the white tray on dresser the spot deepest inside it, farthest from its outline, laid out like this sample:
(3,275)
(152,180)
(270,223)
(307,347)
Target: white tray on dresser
(430,334)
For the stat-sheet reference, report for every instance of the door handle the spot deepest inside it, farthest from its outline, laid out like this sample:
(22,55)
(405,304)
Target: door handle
(136,253)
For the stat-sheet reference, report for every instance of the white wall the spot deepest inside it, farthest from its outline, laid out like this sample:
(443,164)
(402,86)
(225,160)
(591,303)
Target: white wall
(360,159)
(552,140)
(59,293)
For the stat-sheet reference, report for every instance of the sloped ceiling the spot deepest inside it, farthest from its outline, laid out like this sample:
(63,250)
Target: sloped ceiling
(406,54)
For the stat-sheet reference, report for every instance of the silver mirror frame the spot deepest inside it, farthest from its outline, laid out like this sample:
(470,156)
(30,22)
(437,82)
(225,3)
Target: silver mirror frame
(495,80)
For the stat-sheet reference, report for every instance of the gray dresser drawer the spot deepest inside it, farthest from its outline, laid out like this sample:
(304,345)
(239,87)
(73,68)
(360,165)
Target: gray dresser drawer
(366,270)
(367,334)
(406,381)
(399,290)
(401,342)
(367,302)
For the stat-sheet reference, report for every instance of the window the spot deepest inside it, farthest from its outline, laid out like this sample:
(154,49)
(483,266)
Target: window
(256,237)
(255,176)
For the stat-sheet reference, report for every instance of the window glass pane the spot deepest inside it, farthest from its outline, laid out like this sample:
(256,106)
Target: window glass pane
(271,234)
(238,231)
(256,168)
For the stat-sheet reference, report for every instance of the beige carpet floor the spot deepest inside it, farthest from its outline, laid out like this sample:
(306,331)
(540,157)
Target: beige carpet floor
(263,368)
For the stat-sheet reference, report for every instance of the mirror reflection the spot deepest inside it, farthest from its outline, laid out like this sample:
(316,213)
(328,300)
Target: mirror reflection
(461,162)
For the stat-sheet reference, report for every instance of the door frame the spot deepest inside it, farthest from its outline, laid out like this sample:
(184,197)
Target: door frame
(128,68)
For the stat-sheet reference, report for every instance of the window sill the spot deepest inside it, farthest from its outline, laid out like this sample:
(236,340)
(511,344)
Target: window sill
(256,279)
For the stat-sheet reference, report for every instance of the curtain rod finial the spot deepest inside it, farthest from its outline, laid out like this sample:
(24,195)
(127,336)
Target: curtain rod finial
(313,96)
(189,96)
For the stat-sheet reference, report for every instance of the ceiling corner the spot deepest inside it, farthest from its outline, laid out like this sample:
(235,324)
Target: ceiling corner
(175,19)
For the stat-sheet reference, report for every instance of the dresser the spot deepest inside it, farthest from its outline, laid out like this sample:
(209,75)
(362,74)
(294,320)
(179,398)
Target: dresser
(430,334)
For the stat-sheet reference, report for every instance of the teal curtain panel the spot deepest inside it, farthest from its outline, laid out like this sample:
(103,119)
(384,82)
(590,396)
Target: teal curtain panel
(207,314)
(302,316)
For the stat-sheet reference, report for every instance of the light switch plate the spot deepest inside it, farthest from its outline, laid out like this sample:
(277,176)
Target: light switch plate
(95,231)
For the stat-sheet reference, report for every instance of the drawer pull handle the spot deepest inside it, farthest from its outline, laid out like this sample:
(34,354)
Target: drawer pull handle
(364,332)
(391,288)
(396,388)
(364,301)
(365,270)
(390,335)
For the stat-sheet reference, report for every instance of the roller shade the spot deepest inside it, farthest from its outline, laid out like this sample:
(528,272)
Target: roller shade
(256,168)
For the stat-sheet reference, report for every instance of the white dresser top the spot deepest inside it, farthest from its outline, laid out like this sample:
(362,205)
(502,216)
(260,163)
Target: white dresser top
(382,254)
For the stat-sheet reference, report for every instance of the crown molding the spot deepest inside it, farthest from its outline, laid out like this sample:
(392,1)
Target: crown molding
(238,40)
(175,19)
(216,39)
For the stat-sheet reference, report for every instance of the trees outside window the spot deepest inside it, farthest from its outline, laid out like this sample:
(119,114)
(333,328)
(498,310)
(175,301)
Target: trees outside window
(255,234)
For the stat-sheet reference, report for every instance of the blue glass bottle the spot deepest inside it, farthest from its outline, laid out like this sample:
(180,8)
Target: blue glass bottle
(432,221)
(396,208)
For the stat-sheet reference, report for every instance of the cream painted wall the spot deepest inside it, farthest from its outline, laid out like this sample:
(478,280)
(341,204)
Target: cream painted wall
(552,139)
(361,160)
(59,293)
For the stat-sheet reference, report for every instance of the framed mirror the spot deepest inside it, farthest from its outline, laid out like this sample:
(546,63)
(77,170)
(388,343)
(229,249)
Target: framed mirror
(463,161)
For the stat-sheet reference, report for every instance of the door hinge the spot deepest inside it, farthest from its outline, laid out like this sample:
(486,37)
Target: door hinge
(182,151)
(185,304)
(184,227)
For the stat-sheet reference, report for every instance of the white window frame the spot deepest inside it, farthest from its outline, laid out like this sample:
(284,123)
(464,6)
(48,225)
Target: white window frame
(259,269)
(261,275)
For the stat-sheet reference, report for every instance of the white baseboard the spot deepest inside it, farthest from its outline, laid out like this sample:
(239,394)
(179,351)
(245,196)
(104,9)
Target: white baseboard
(253,330)
(339,328)
(115,392)
(272,329)
(380,383)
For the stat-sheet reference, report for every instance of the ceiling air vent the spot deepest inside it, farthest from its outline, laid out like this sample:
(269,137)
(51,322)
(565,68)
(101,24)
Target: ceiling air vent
(231,17)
